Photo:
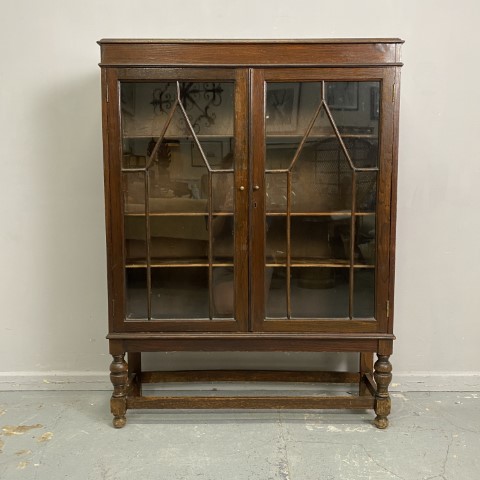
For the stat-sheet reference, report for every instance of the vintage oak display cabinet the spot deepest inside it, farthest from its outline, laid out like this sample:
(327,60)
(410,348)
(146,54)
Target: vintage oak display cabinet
(250,191)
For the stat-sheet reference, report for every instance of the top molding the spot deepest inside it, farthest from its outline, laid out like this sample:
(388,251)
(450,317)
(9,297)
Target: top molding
(246,40)
(344,52)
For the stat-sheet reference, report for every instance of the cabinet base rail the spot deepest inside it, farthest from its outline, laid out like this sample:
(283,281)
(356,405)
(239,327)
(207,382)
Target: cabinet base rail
(372,390)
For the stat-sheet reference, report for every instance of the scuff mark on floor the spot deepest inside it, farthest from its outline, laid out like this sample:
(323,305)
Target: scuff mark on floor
(22,465)
(10,430)
(2,444)
(2,411)
(45,437)
(331,428)
(23,452)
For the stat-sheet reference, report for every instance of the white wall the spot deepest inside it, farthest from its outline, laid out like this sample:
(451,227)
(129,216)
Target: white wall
(52,255)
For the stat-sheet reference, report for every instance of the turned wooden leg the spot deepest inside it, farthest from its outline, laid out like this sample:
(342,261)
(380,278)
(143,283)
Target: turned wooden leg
(119,378)
(383,377)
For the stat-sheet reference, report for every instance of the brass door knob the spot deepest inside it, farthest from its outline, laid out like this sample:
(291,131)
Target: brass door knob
(242,188)
(256,187)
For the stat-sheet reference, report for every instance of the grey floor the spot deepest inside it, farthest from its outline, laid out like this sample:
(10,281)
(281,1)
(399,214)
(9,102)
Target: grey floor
(57,435)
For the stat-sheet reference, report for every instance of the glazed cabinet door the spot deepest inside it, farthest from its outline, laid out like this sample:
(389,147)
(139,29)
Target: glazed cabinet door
(178,198)
(321,156)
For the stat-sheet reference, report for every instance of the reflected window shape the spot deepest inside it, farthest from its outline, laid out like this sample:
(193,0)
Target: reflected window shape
(145,107)
(289,109)
(342,95)
(355,108)
(209,106)
(290,106)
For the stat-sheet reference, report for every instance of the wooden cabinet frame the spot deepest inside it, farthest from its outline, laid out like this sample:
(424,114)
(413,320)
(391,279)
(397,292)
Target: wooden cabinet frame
(249,64)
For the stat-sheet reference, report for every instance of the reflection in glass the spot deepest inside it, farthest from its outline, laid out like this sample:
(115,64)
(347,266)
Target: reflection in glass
(134,224)
(309,239)
(276,240)
(276,292)
(222,192)
(180,292)
(179,135)
(319,292)
(290,106)
(364,293)
(366,191)
(355,108)
(276,192)
(134,192)
(314,150)
(145,107)
(222,237)
(135,239)
(178,239)
(136,293)
(365,244)
(223,292)
(321,177)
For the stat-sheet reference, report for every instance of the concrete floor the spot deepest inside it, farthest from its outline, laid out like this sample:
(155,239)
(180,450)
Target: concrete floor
(56,435)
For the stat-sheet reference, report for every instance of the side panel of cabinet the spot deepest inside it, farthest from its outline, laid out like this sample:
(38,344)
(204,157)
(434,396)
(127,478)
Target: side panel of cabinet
(320,260)
(164,212)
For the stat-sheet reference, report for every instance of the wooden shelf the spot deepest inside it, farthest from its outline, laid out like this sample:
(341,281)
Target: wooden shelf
(295,262)
(179,137)
(179,214)
(308,262)
(268,214)
(320,214)
(174,263)
(318,136)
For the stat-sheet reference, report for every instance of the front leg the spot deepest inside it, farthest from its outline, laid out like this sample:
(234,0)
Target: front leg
(383,377)
(119,379)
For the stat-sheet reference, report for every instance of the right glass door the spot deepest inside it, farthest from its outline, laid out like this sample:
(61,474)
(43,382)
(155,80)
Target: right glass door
(317,204)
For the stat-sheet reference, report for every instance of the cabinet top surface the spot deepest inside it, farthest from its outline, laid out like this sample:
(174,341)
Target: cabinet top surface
(252,41)
(243,52)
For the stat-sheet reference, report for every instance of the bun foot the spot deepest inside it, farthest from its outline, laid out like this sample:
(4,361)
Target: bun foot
(119,422)
(381,422)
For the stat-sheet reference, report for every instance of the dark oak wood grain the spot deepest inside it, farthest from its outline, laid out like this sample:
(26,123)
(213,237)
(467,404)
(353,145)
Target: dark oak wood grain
(249,376)
(249,64)
(240,402)
(248,54)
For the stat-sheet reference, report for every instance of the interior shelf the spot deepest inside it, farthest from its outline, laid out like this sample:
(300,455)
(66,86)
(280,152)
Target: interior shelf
(174,263)
(330,263)
(319,214)
(167,138)
(230,214)
(295,262)
(179,214)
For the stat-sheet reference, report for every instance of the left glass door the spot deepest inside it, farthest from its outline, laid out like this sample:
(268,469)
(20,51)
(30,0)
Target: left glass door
(182,163)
